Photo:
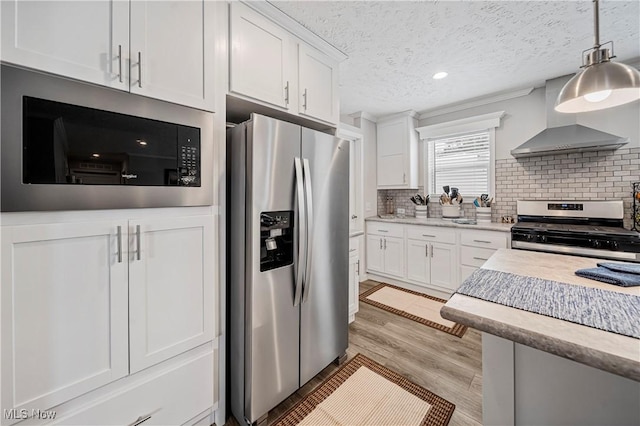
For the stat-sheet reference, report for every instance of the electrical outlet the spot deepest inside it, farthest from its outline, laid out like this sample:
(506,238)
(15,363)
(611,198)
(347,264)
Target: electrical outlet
(401,211)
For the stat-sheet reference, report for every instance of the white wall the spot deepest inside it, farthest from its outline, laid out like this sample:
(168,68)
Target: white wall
(526,116)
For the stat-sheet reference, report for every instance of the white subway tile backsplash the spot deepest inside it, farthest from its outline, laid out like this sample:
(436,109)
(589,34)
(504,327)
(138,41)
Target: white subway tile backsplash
(576,176)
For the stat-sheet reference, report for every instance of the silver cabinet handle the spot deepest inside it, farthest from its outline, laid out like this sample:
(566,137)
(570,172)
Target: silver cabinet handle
(286,94)
(380,243)
(358,267)
(385,243)
(304,95)
(430,236)
(482,241)
(138,245)
(139,69)
(119,244)
(140,420)
(120,63)
(426,250)
(353,216)
(404,177)
(309,197)
(302,232)
(431,245)
(350,250)
(382,230)
(479,258)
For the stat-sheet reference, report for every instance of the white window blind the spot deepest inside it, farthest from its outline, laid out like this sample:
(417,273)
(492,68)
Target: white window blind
(461,161)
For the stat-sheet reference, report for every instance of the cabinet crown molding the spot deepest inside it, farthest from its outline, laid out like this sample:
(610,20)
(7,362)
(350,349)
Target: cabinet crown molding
(294,27)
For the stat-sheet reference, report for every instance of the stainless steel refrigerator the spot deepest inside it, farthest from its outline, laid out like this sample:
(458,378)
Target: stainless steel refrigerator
(288,192)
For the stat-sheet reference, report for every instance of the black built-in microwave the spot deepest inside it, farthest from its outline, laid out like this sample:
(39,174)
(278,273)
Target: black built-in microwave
(68,145)
(74,145)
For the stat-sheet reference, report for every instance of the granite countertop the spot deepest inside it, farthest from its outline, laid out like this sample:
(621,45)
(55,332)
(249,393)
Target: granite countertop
(487,226)
(607,351)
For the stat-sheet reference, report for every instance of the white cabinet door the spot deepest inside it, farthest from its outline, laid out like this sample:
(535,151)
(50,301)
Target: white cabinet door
(64,311)
(259,58)
(354,281)
(170,51)
(375,253)
(85,40)
(394,256)
(443,265)
(171,297)
(417,261)
(318,85)
(465,272)
(392,153)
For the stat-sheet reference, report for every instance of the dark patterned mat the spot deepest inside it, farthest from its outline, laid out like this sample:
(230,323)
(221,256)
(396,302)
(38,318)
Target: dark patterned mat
(438,415)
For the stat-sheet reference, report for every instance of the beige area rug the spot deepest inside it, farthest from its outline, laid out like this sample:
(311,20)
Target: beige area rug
(413,305)
(363,392)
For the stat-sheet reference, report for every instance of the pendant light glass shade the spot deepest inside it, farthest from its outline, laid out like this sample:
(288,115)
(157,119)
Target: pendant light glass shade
(602,84)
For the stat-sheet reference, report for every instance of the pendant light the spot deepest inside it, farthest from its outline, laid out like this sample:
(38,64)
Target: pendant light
(602,84)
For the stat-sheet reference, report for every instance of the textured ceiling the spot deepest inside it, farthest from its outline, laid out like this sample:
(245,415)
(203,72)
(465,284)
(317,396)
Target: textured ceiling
(394,47)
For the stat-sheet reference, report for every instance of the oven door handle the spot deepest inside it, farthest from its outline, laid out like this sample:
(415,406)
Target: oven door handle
(551,248)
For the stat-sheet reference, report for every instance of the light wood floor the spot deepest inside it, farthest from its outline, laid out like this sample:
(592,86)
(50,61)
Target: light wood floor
(446,365)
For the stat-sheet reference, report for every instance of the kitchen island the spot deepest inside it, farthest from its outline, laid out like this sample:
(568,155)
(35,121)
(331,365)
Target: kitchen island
(542,370)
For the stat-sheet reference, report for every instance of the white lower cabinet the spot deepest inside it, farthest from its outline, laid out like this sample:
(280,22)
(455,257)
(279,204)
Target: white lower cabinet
(429,261)
(435,257)
(171,398)
(170,296)
(476,247)
(354,278)
(85,304)
(385,249)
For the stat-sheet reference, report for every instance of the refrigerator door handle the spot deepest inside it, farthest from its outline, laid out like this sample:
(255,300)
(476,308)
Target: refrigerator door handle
(309,225)
(302,232)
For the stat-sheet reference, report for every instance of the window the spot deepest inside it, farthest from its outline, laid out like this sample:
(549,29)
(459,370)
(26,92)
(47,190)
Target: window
(461,161)
(460,154)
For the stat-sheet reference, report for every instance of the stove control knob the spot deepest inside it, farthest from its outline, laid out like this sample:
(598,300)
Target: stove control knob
(529,237)
(596,244)
(614,245)
(542,238)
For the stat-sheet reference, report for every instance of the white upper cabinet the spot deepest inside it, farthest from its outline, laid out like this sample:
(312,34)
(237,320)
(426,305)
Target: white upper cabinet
(318,85)
(160,49)
(168,44)
(397,152)
(260,57)
(270,65)
(86,40)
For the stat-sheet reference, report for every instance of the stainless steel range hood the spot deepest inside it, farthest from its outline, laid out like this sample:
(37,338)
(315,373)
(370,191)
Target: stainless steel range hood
(562,134)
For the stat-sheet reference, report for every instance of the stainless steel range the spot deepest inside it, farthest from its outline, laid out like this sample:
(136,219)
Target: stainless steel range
(583,228)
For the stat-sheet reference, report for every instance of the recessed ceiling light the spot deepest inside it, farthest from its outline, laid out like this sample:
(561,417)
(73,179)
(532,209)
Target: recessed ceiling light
(95,155)
(141,142)
(440,75)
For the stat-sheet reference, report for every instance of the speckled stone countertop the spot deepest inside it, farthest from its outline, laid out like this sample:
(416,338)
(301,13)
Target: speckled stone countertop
(487,226)
(607,351)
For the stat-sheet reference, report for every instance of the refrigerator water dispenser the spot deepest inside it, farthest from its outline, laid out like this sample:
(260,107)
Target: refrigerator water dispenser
(276,239)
